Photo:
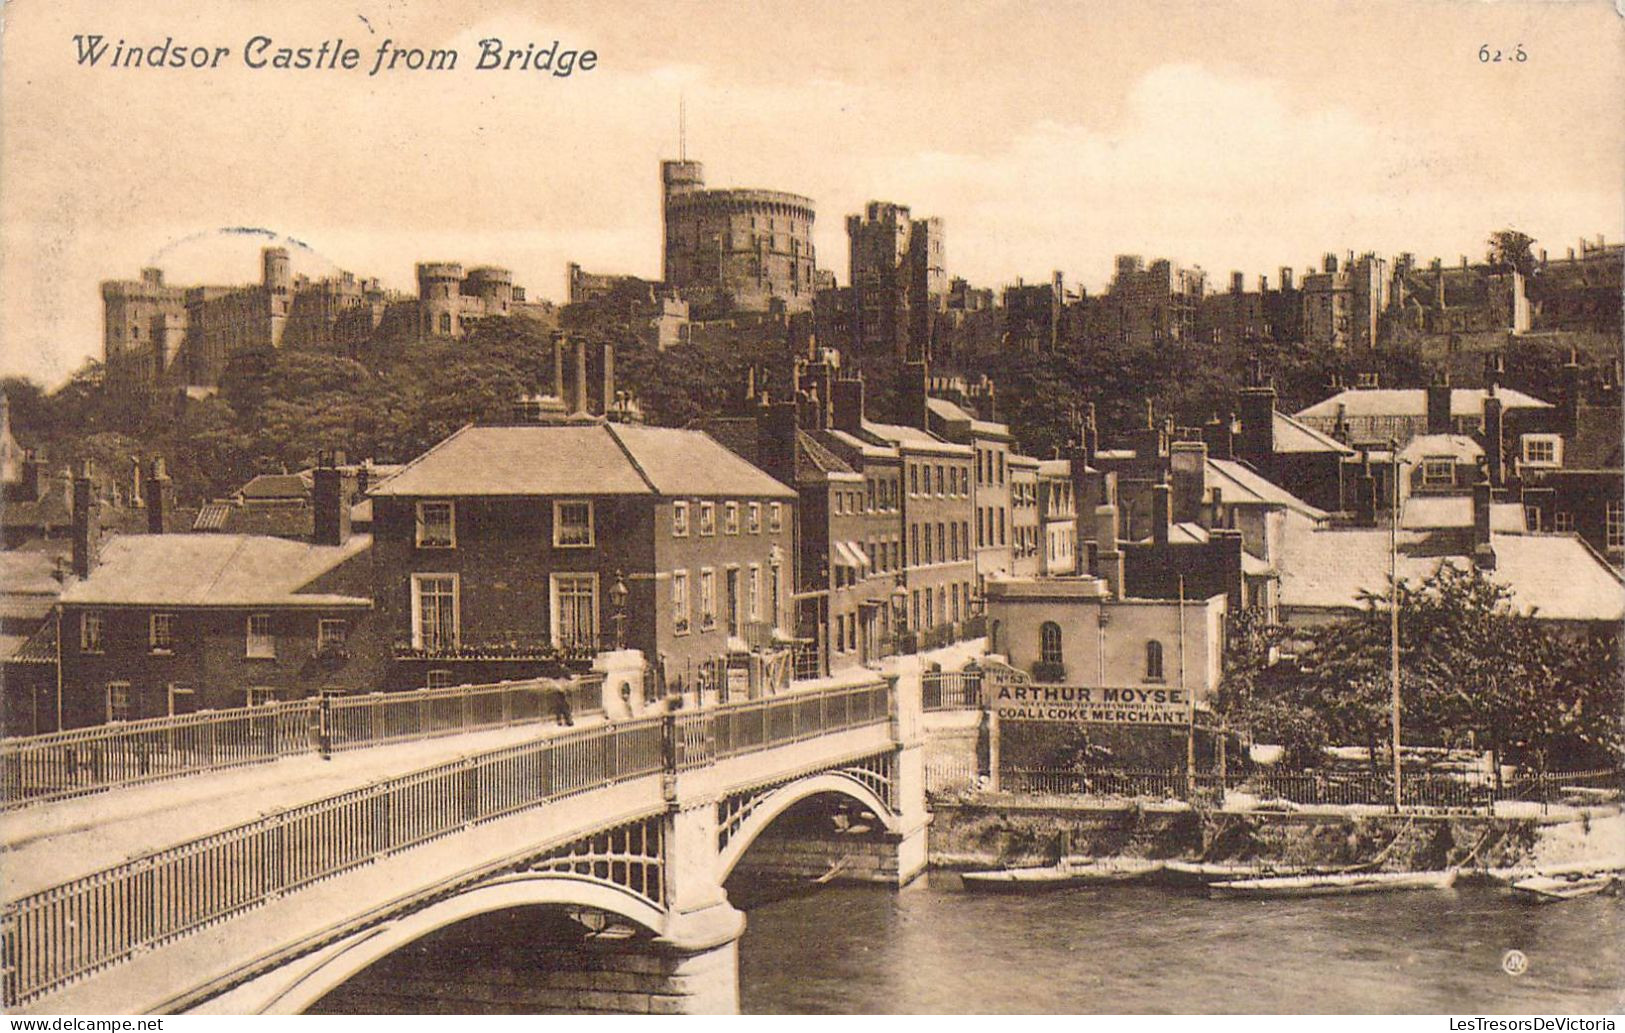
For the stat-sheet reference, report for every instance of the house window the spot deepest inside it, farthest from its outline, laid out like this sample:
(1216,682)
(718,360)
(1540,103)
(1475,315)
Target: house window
(913,480)
(708,519)
(1153,661)
(1531,518)
(1541,450)
(445,322)
(753,518)
(730,518)
(261,644)
(437,525)
(260,696)
(1563,522)
(182,700)
(942,481)
(331,634)
(679,520)
(572,524)
(575,611)
(708,599)
(679,602)
(90,631)
(942,542)
(1438,472)
(440,679)
(434,612)
(775,517)
(161,632)
(119,705)
(1049,643)
(1614,524)
(753,593)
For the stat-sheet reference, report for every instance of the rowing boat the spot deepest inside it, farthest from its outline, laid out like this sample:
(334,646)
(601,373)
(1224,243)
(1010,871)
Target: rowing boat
(1068,872)
(1334,885)
(1203,873)
(1548,889)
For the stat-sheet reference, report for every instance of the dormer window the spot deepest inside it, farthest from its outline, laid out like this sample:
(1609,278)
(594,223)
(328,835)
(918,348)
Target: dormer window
(437,525)
(1438,472)
(1542,450)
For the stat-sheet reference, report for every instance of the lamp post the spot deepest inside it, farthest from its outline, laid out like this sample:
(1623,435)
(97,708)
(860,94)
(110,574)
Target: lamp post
(1393,616)
(617,601)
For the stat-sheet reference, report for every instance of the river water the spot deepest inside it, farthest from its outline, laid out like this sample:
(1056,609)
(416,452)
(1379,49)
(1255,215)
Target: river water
(934,948)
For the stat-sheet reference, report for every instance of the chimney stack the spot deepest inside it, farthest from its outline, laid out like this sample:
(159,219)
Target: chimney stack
(1109,560)
(1161,512)
(1493,448)
(1257,438)
(1365,494)
(1483,548)
(580,404)
(86,526)
(160,498)
(331,510)
(1091,435)
(609,378)
(1187,462)
(1568,402)
(912,393)
(33,477)
(848,404)
(559,386)
(777,428)
(1219,435)
(1438,404)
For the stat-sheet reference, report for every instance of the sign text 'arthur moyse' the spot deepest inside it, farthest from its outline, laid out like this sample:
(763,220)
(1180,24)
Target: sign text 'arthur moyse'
(1113,706)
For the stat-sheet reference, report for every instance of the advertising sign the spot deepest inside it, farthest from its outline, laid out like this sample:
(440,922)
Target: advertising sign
(1079,705)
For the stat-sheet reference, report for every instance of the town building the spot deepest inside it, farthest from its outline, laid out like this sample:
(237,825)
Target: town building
(1057,519)
(505,550)
(1076,631)
(899,280)
(1149,304)
(1343,305)
(736,249)
(1455,302)
(163,624)
(1371,416)
(1033,315)
(1026,525)
(954,411)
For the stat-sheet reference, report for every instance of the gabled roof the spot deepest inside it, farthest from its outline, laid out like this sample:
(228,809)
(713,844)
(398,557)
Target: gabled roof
(1424,512)
(579,459)
(950,412)
(235,570)
(28,584)
(1295,437)
(1239,483)
(1556,575)
(1393,401)
(291,487)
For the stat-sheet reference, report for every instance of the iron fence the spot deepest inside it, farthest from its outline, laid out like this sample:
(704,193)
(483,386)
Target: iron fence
(51,937)
(87,760)
(1326,787)
(704,736)
(54,936)
(951,690)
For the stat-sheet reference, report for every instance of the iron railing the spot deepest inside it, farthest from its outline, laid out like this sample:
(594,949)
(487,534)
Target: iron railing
(1326,787)
(951,690)
(87,760)
(54,936)
(707,735)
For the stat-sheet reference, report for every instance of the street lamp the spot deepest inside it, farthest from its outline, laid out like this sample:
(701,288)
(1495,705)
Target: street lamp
(617,601)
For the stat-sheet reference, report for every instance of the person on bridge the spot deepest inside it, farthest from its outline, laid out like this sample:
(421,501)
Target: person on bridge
(561,709)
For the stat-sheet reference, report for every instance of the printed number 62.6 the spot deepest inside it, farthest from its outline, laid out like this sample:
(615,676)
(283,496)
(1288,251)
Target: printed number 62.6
(1488,56)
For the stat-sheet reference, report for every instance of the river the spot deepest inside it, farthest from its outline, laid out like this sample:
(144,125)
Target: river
(933,948)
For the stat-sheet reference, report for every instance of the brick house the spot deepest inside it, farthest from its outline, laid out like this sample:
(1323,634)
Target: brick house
(162,624)
(502,551)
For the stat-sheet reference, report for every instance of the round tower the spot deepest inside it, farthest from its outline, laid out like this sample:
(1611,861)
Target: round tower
(276,271)
(493,285)
(440,288)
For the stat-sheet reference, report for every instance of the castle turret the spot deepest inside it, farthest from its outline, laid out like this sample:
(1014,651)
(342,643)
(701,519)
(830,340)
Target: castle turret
(440,291)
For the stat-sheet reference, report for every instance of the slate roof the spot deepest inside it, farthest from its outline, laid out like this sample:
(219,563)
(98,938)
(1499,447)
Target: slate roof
(1555,575)
(267,487)
(190,570)
(915,439)
(953,413)
(1423,512)
(38,648)
(1237,482)
(1396,401)
(1459,447)
(1292,436)
(741,436)
(579,459)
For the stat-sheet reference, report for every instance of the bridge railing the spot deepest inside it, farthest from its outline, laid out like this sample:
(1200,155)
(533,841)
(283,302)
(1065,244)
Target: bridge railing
(951,690)
(703,736)
(87,760)
(50,938)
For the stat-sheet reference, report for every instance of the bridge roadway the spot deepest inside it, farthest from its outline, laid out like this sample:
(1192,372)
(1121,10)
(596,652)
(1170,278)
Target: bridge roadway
(451,827)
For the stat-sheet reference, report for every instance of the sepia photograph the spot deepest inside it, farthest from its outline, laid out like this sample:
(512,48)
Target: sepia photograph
(1033,507)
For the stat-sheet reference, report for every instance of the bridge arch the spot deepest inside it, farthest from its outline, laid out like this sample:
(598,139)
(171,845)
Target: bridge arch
(767,807)
(327,970)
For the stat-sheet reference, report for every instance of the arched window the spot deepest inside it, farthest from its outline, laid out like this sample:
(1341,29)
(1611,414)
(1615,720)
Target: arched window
(1153,661)
(445,322)
(1050,642)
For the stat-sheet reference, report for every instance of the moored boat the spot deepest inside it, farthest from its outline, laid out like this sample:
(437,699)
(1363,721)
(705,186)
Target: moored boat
(1337,884)
(1203,873)
(1548,889)
(1069,872)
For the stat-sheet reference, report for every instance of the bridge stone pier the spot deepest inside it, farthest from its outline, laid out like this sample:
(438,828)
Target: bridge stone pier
(603,852)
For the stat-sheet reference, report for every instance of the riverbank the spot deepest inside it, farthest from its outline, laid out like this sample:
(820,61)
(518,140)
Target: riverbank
(1008,831)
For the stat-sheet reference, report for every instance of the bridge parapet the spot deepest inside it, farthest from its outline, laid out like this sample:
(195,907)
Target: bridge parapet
(90,926)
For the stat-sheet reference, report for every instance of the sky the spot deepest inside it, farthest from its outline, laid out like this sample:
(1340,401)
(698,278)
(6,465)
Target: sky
(1047,135)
